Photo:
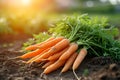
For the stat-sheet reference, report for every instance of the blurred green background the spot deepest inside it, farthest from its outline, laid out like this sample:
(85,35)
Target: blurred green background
(37,16)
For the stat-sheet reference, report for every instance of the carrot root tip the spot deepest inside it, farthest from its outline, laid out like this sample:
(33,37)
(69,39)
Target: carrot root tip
(76,76)
(18,57)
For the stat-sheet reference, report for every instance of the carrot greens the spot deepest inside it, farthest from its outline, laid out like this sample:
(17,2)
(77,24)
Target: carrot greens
(94,33)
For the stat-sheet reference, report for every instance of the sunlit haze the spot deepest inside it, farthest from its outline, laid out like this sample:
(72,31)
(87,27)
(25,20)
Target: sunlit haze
(26,2)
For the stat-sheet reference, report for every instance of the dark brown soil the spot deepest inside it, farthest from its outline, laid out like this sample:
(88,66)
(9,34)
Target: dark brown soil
(98,68)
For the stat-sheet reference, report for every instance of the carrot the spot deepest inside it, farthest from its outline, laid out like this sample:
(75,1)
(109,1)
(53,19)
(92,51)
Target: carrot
(43,47)
(69,62)
(59,46)
(31,54)
(57,55)
(32,59)
(31,47)
(73,47)
(54,66)
(47,64)
(79,59)
(35,46)
(51,43)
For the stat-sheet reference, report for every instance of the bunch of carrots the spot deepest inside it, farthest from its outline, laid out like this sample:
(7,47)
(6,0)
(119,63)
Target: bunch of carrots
(78,36)
(55,52)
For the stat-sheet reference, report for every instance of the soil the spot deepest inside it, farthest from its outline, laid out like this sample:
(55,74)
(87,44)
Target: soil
(97,68)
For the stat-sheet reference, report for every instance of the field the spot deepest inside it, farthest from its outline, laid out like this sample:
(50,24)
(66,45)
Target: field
(92,68)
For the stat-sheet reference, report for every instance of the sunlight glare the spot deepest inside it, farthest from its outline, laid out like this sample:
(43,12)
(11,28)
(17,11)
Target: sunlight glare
(26,2)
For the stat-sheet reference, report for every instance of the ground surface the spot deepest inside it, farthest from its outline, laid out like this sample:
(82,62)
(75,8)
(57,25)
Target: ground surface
(98,68)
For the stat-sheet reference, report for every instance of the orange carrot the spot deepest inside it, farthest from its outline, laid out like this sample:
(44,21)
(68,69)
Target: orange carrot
(59,46)
(35,46)
(73,47)
(79,59)
(31,54)
(31,47)
(43,47)
(54,66)
(47,64)
(32,59)
(57,55)
(51,43)
(69,62)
